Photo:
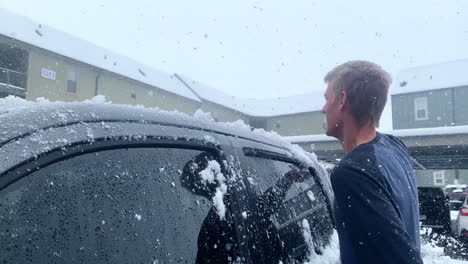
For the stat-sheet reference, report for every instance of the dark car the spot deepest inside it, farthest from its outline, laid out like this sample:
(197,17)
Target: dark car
(101,183)
(434,209)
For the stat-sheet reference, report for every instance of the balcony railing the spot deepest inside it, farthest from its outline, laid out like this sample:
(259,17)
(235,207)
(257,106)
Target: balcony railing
(12,82)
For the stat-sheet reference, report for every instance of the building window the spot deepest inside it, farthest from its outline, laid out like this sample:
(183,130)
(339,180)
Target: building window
(278,124)
(71,83)
(420,108)
(439,178)
(133,94)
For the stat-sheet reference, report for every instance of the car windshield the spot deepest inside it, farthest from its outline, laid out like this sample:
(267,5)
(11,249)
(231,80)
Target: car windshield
(260,68)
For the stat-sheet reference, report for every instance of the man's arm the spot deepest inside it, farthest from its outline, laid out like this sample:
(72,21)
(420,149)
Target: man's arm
(368,215)
(271,200)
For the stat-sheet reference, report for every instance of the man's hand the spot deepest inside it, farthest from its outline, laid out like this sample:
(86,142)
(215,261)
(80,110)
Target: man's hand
(297,175)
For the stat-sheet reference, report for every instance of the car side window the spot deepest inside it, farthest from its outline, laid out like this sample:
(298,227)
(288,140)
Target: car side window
(300,217)
(142,205)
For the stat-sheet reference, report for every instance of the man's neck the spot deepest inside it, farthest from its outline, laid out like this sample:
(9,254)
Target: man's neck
(354,136)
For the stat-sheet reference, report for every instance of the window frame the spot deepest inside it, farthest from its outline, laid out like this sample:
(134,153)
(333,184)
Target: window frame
(121,142)
(438,175)
(258,152)
(420,103)
(71,81)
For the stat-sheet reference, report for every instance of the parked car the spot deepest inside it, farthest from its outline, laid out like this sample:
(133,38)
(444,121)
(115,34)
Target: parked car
(434,209)
(454,211)
(462,222)
(102,183)
(456,191)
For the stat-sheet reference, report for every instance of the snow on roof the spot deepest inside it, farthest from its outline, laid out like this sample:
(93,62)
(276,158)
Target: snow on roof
(456,186)
(309,138)
(414,132)
(258,107)
(431,77)
(53,40)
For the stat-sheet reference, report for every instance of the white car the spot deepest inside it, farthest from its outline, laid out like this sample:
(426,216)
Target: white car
(455,206)
(455,191)
(462,222)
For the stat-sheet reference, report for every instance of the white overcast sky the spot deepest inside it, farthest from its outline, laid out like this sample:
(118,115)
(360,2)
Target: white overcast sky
(267,48)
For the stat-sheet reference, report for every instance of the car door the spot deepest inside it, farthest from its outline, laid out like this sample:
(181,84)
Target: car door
(293,223)
(129,194)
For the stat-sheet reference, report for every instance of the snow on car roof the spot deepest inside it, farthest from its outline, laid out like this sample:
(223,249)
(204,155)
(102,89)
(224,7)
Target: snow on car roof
(431,77)
(48,38)
(19,117)
(257,107)
(414,132)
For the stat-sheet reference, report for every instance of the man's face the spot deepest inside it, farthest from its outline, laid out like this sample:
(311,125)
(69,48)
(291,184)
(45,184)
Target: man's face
(332,113)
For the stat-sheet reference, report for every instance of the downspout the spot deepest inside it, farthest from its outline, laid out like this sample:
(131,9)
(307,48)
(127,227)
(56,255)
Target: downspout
(96,87)
(454,120)
(190,88)
(453,108)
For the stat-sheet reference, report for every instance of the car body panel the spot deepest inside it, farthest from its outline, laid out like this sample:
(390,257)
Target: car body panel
(462,221)
(60,133)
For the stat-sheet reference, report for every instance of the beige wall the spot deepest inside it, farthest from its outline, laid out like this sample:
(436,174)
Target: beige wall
(223,114)
(119,89)
(116,88)
(297,124)
(39,86)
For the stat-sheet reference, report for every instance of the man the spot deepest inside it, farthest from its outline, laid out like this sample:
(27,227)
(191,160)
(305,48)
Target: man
(376,202)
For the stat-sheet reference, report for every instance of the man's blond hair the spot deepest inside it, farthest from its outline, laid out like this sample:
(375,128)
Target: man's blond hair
(366,86)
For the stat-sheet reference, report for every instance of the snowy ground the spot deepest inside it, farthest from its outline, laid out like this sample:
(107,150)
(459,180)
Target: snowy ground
(435,255)
(431,253)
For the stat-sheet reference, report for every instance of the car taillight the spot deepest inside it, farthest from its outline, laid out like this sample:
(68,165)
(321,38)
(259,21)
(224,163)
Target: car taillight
(464,211)
(465,233)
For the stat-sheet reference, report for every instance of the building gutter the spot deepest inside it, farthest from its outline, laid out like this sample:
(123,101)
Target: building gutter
(188,86)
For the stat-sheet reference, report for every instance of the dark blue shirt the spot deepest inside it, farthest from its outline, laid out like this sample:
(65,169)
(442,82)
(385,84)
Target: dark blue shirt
(376,204)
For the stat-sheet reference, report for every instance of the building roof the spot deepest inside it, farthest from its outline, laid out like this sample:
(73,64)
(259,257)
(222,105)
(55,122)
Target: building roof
(413,132)
(431,77)
(257,107)
(48,38)
(53,40)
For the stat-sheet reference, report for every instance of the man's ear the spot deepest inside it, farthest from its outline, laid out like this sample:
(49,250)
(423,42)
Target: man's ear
(343,101)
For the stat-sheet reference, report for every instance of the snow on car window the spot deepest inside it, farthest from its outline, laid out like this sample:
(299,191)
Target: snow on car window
(115,206)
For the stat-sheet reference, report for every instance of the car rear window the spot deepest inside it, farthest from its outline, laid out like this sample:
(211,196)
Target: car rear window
(114,206)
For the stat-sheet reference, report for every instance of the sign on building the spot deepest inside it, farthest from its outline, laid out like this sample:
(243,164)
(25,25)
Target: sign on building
(49,74)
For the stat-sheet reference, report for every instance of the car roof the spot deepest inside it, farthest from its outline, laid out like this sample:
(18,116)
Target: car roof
(456,186)
(33,116)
